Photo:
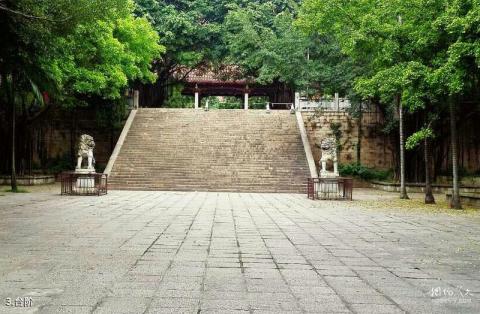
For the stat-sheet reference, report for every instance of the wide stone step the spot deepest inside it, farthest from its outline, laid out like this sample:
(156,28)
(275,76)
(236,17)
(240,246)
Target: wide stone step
(221,150)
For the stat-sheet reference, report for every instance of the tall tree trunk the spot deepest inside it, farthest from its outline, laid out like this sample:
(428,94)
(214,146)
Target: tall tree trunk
(403,188)
(455,202)
(21,151)
(73,135)
(429,198)
(359,134)
(13,178)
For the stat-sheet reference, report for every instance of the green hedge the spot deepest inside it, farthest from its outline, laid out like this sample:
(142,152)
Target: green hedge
(363,172)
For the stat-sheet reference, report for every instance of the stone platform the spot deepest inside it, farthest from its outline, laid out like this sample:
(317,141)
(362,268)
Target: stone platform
(188,252)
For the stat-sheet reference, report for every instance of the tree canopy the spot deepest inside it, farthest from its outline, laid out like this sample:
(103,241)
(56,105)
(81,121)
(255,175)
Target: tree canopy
(77,48)
(259,37)
(421,54)
(423,49)
(63,53)
(424,54)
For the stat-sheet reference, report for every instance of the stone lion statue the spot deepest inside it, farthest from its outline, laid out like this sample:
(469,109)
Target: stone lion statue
(85,150)
(328,147)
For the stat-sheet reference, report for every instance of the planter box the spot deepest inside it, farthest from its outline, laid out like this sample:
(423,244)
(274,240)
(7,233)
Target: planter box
(420,187)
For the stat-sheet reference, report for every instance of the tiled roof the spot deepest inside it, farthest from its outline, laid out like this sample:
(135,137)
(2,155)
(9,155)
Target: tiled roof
(230,74)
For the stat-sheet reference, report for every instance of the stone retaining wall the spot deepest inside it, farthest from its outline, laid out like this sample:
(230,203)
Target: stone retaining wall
(56,133)
(376,149)
(420,187)
(29,180)
(468,199)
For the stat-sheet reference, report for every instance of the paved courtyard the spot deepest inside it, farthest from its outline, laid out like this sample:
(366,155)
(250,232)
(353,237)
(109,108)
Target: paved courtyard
(172,252)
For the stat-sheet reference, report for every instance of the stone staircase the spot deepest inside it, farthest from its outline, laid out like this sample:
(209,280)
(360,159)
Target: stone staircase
(218,150)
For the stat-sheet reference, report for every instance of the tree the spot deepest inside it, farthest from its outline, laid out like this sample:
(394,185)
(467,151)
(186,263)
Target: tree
(262,38)
(71,52)
(426,53)
(13,177)
(373,35)
(424,135)
(456,75)
(102,57)
(257,36)
(191,33)
(403,188)
(455,202)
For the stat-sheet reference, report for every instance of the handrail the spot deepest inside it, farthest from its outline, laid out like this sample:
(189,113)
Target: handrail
(306,145)
(120,141)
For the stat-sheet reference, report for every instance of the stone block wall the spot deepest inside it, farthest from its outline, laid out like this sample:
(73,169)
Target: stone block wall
(54,136)
(376,148)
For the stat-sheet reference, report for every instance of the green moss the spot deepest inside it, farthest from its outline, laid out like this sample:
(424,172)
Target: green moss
(19,190)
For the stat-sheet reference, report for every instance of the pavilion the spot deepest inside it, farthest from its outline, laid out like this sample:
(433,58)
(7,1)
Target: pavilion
(228,81)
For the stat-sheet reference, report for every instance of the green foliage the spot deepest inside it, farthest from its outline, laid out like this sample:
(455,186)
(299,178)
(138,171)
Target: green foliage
(68,49)
(421,55)
(262,38)
(262,42)
(73,53)
(188,29)
(335,127)
(230,102)
(420,49)
(226,103)
(100,167)
(364,173)
(102,57)
(111,114)
(259,37)
(257,102)
(191,32)
(58,165)
(177,100)
(417,137)
(457,65)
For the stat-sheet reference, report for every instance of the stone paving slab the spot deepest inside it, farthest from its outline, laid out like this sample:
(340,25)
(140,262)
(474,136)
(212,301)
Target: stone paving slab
(192,252)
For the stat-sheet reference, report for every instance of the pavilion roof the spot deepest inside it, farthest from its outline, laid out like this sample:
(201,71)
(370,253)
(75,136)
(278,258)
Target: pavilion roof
(207,74)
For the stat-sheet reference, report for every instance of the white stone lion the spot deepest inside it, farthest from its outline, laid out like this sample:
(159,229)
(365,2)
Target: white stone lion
(328,147)
(85,150)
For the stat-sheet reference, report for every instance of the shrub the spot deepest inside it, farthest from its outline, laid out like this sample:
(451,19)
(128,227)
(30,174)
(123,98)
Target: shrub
(59,164)
(363,172)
